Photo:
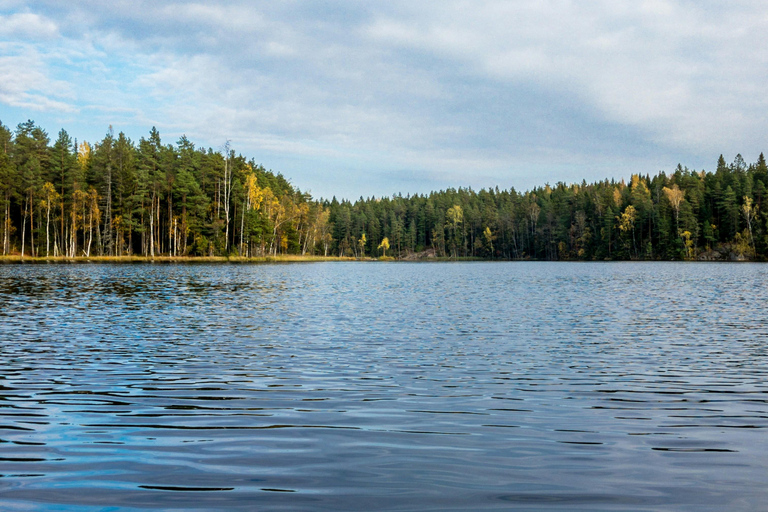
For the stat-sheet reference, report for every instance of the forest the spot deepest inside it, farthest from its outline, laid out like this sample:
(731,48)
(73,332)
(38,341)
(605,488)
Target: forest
(116,197)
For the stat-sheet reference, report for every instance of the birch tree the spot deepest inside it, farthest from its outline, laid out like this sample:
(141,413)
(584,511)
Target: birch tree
(49,197)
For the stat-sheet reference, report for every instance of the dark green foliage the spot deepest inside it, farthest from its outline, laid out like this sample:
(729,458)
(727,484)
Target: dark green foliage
(116,197)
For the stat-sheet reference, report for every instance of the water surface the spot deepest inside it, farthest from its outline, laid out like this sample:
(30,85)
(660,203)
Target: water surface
(353,386)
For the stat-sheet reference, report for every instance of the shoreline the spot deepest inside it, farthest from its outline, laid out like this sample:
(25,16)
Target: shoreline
(171,259)
(295,258)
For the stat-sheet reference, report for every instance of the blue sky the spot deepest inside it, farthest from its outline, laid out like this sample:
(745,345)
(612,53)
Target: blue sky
(355,98)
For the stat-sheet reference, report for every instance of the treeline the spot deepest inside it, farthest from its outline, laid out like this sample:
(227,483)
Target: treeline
(119,197)
(686,215)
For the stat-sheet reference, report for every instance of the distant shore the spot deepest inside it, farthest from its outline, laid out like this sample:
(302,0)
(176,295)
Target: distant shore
(286,258)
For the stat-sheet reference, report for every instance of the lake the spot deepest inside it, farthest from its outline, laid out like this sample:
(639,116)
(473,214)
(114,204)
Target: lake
(384,386)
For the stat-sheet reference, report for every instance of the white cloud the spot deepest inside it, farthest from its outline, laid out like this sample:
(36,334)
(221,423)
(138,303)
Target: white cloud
(666,67)
(25,85)
(436,86)
(28,26)
(237,20)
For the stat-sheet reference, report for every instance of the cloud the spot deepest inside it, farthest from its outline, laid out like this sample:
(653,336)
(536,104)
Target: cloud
(443,89)
(28,26)
(26,85)
(669,68)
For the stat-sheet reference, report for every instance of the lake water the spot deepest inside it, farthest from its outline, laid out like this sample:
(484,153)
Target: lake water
(384,386)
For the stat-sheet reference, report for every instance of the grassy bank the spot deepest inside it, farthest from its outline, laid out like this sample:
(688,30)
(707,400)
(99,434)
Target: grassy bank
(288,258)
(283,258)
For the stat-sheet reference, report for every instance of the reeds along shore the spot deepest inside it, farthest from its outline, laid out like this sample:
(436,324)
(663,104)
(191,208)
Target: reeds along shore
(158,200)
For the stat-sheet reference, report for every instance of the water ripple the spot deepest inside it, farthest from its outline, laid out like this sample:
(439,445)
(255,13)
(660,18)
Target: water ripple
(389,387)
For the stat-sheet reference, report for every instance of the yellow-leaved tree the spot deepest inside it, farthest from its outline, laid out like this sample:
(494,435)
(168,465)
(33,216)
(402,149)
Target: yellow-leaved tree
(455,216)
(384,245)
(627,223)
(488,238)
(362,242)
(252,199)
(675,197)
(749,212)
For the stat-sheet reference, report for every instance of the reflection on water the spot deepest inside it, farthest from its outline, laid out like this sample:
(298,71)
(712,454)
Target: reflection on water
(529,386)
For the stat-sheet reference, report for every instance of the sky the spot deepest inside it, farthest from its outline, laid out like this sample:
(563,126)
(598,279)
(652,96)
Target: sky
(355,98)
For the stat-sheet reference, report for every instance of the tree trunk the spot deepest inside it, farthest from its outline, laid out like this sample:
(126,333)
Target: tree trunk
(47,230)
(73,234)
(184,225)
(158,226)
(242,226)
(23,231)
(7,225)
(31,227)
(90,232)
(62,236)
(152,227)
(108,213)
(171,225)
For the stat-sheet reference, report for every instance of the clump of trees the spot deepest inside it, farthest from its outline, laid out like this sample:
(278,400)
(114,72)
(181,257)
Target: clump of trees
(118,197)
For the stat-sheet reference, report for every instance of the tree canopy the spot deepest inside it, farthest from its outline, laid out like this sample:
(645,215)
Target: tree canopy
(121,197)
